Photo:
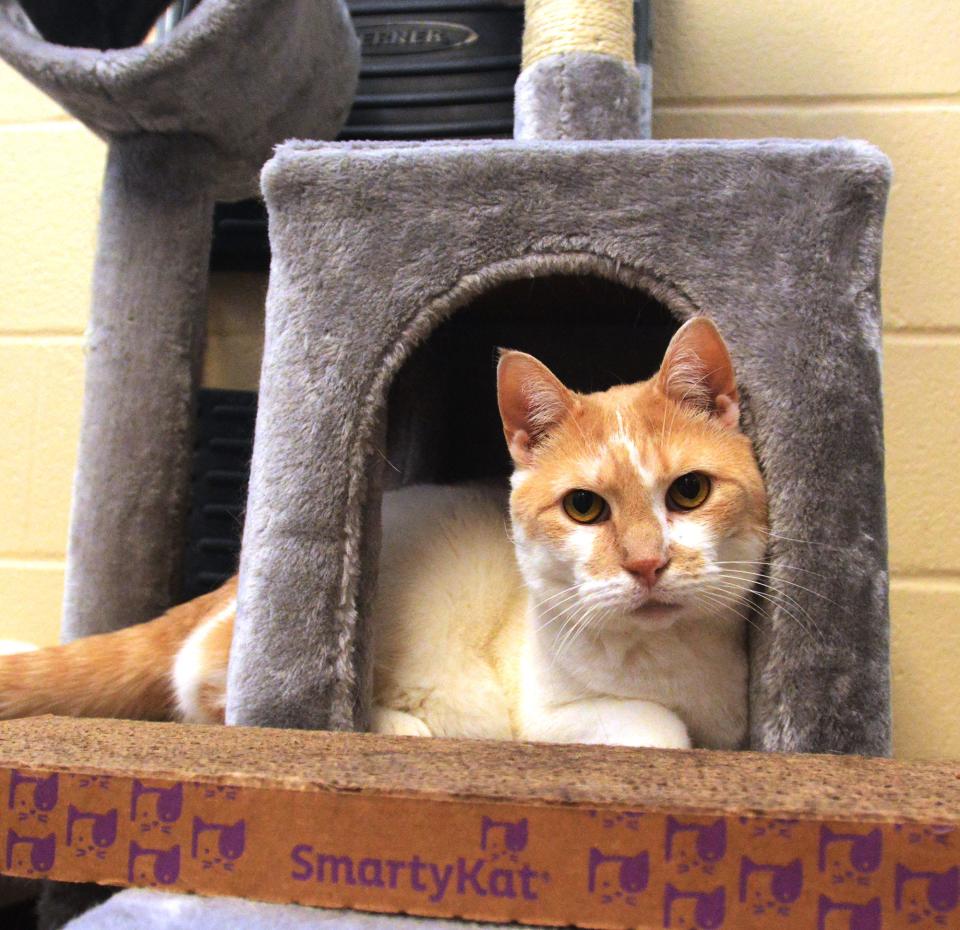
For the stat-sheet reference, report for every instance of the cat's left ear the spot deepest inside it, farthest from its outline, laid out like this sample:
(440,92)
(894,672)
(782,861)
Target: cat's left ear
(697,371)
(532,401)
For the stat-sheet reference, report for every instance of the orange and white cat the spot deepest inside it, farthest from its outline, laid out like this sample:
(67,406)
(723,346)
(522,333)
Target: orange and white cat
(608,608)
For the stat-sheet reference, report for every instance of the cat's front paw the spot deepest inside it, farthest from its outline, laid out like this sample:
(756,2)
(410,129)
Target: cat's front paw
(392,722)
(614,722)
(648,724)
(664,733)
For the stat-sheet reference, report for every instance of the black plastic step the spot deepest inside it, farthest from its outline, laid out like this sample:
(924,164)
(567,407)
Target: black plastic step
(219,479)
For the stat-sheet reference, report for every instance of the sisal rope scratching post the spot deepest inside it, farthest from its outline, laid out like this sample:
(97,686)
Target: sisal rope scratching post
(555,27)
(579,78)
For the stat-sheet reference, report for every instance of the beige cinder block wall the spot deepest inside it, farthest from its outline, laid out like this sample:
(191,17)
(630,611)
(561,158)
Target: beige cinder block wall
(882,70)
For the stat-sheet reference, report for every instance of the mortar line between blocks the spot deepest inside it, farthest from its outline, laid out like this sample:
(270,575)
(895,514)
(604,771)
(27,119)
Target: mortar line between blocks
(43,337)
(32,563)
(926,581)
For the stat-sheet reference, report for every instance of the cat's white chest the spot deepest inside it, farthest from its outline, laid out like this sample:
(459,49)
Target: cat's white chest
(700,673)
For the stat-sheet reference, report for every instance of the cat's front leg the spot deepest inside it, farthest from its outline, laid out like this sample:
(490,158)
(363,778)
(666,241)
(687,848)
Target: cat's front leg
(610,721)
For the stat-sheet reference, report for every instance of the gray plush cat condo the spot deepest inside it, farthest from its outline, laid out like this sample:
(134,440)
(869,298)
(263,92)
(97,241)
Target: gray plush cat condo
(778,242)
(397,269)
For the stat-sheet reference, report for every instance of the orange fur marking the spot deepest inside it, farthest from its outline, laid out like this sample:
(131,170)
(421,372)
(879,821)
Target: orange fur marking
(125,674)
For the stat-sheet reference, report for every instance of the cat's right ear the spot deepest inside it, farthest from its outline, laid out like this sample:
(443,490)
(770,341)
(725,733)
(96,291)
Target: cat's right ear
(697,371)
(532,401)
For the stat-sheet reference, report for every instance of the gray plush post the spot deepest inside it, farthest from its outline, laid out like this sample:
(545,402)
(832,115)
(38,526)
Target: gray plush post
(778,242)
(583,95)
(126,527)
(189,119)
(579,78)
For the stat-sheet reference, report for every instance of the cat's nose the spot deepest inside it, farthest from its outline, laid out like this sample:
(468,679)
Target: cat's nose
(649,569)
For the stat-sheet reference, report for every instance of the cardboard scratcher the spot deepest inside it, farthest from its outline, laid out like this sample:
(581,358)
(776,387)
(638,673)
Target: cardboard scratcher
(600,837)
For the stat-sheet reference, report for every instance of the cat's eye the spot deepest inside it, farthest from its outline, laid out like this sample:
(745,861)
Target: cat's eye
(688,491)
(585,506)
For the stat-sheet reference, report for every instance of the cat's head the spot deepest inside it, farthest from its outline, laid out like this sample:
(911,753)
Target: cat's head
(641,505)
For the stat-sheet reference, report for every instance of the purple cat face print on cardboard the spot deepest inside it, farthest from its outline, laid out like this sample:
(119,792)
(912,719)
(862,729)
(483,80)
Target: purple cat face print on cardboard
(45,791)
(786,881)
(865,852)
(515,834)
(103,832)
(711,839)
(632,872)
(169,801)
(230,838)
(165,868)
(942,889)
(867,916)
(709,910)
(43,850)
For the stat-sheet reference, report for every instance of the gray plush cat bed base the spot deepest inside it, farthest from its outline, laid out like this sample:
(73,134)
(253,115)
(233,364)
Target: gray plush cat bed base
(376,245)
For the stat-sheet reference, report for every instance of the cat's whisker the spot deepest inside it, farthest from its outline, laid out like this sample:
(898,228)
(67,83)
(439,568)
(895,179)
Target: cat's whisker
(559,609)
(722,605)
(561,635)
(793,584)
(577,629)
(558,613)
(721,608)
(793,600)
(591,608)
(562,616)
(726,605)
(571,635)
(750,583)
(574,587)
(767,578)
(598,630)
(765,564)
(777,599)
(806,542)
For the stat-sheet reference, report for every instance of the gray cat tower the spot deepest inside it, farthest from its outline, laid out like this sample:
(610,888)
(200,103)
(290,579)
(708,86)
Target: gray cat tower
(397,269)
(777,242)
